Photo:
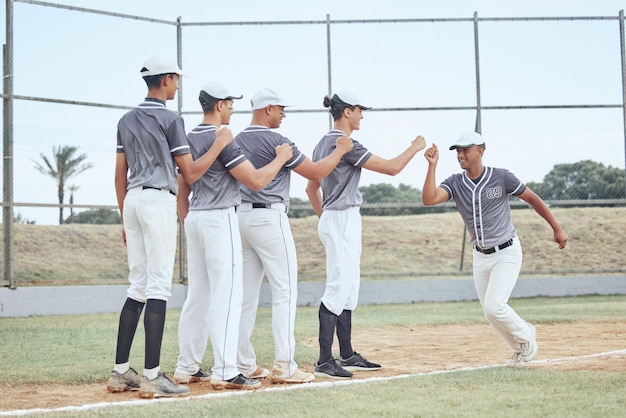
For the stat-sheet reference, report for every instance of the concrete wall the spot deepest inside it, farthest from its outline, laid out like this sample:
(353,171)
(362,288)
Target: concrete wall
(77,300)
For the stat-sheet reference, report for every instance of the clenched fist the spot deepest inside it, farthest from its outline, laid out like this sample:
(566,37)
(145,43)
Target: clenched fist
(419,142)
(344,143)
(284,151)
(224,136)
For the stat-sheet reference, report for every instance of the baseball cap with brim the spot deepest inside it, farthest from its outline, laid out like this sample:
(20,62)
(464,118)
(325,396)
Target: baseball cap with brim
(160,65)
(469,139)
(349,99)
(219,92)
(267,97)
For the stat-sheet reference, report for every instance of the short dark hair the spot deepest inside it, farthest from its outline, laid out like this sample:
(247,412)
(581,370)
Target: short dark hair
(207,102)
(154,81)
(336,107)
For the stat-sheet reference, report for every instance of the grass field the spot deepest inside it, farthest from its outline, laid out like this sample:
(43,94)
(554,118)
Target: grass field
(438,357)
(420,246)
(55,361)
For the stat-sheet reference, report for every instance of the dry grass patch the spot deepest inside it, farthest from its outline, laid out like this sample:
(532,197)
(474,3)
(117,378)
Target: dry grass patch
(427,245)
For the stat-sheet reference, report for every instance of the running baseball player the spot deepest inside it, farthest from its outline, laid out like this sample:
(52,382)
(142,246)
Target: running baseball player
(338,207)
(151,142)
(268,246)
(481,195)
(215,291)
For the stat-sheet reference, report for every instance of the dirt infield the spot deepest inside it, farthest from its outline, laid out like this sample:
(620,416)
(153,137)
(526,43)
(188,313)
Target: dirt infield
(572,346)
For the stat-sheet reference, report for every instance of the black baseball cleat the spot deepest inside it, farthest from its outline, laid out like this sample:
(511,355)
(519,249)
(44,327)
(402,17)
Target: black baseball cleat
(331,369)
(357,362)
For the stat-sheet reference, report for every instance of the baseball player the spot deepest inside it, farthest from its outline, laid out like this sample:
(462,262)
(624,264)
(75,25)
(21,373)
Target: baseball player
(339,229)
(150,144)
(481,195)
(214,294)
(268,246)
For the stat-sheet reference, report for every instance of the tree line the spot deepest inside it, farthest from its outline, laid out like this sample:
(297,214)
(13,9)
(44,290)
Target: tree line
(583,180)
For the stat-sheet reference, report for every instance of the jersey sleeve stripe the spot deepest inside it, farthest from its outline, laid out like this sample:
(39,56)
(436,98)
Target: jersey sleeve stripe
(516,189)
(233,161)
(295,161)
(182,147)
(449,190)
(361,159)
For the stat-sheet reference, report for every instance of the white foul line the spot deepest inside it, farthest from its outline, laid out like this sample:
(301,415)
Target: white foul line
(277,388)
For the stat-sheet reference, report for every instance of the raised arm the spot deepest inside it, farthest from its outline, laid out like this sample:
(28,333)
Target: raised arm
(192,170)
(320,169)
(542,209)
(431,194)
(256,179)
(315,196)
(395,165)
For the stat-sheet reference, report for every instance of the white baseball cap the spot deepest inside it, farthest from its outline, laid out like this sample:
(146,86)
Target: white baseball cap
(468,139)
(349,99)
(219,92)
(266,97)
(159,65)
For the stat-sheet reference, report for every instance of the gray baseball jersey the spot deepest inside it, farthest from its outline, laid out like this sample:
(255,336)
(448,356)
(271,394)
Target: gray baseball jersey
(340,188)
(484,204)
(259,145)
(216,189)
(151,136)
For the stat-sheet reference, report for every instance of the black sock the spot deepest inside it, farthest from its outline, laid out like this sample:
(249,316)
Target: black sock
(328,323)
(129,318)
(154,323)
(344,334)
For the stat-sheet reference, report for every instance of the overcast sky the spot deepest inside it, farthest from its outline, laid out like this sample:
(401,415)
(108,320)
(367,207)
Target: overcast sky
(78,56)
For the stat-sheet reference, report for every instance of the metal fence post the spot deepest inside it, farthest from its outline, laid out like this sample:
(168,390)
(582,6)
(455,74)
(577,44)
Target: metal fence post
(478,124)
(181,231)
(622,42)
(478,127)
(8,148)
(330,70)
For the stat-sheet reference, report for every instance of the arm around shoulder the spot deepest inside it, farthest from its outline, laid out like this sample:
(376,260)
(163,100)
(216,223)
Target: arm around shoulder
(192,170)
(320,169)
(257,179)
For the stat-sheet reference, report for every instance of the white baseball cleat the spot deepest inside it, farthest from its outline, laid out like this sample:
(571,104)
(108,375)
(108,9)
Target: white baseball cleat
(529,349)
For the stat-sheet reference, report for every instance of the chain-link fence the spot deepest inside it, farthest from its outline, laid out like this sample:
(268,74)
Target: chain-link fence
(70,73)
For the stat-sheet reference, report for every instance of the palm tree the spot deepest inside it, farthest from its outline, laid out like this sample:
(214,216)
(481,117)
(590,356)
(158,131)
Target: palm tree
(62,166)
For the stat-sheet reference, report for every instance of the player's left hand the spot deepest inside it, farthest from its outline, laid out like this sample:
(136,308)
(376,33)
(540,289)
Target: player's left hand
(432,154)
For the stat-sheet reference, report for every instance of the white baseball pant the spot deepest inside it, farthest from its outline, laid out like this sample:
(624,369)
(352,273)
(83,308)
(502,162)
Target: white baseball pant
(151,227)
(340,232)
(268,249)
(214,293)
(495,276)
